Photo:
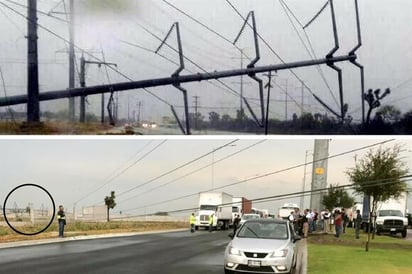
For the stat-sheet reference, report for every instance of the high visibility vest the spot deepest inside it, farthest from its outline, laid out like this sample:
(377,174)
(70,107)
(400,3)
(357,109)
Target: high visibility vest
(210,220)
(192,219)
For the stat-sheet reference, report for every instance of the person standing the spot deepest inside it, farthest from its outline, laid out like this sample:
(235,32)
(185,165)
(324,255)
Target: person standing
(345,219)
(192,221)
(61,218)
(358,223)
(338,223)
(211,222)
(326,221)
(236,222)
(305,223)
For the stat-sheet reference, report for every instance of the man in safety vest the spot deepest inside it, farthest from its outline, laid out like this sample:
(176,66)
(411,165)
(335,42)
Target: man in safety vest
(211,222)
(61,218)
(192,222)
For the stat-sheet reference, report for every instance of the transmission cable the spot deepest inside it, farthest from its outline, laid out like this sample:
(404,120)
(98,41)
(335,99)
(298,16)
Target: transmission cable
(269,173)
(83,51)
(197,170)
(278,56)
(130,166)
(175,169)
(311,55)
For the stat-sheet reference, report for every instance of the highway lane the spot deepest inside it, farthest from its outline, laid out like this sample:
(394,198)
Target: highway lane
(173,252)
(177,252)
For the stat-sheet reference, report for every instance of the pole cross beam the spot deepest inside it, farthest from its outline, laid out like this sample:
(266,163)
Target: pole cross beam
(197,77)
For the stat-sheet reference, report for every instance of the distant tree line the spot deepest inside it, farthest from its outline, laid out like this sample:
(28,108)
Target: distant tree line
(387,120)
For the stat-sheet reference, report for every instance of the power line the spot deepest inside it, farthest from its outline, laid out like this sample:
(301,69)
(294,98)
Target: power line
(278,56)
(270,173)
(204,26)
(116,175)
(201,168)
(290,195)
(186,58)
(83,51)
(174,169)
(311,55)
(39,11)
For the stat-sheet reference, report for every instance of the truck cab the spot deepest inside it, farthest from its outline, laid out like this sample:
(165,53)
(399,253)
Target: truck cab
(391,221)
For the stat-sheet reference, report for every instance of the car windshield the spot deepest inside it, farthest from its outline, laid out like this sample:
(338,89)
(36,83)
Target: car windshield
(266,230)
(384,213)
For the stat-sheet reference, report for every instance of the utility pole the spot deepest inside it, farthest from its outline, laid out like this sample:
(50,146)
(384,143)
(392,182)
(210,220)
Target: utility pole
(82,84)
(139,105)
(33,102)
(196,108)
(71,60)
(301,101)
(268,85)
(286,99)
(83,63)
(242,83)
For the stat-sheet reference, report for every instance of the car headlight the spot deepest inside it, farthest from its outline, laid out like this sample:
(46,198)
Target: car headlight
(234,251)
(280,253)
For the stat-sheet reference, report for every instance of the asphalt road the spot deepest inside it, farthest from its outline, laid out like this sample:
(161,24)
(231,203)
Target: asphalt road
(174,252)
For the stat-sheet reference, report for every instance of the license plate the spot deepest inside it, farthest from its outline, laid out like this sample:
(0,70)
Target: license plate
(393,229)
(254,263)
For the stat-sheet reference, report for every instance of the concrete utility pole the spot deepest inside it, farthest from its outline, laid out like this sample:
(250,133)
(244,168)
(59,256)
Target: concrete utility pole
(33,101)
(196,102)
(319,172)
(72,58)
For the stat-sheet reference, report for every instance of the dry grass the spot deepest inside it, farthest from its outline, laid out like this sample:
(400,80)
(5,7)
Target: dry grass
(53,128)
(83,228)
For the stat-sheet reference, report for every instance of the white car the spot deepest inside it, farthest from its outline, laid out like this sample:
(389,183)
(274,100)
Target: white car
(262,246)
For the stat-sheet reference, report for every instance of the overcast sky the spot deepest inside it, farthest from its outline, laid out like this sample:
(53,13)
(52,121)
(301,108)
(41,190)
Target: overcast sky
(386,51)
(143,172)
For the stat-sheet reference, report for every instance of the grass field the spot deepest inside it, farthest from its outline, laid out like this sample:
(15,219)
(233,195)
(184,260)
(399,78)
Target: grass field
(87,228)
(387,254)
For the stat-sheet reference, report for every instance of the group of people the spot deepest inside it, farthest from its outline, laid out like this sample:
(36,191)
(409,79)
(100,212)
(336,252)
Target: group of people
(304,222)
(335,222)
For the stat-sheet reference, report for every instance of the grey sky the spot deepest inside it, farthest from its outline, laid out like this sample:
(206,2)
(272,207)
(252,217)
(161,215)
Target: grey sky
(386,51)
(85,170)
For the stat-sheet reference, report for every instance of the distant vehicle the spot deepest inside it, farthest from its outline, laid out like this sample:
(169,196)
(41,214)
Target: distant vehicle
(147,124)
(398,204)
(217,203)
(286,209)
(241,206)
(262,246)
(249,216)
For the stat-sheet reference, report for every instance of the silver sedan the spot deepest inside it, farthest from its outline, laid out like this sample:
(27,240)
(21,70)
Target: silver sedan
(262,246)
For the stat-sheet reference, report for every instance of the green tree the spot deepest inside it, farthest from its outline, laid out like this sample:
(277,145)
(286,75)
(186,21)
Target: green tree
(110,203)
(379,176)
(337,197)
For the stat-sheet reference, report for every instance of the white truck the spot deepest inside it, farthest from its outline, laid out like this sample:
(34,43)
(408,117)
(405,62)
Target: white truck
(390,215)
(286,209)
(217,203)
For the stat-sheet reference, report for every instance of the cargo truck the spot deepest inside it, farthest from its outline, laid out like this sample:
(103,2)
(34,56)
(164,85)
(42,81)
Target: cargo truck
(241,206)
(217,203)
(286,209)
